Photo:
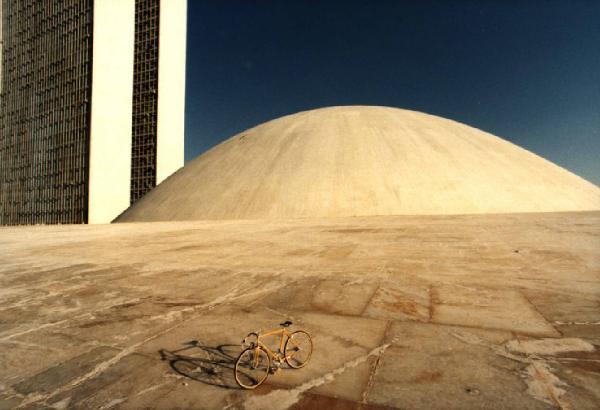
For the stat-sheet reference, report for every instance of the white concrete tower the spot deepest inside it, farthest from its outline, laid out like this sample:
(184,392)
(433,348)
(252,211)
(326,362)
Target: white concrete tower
(139,57)
(92,97)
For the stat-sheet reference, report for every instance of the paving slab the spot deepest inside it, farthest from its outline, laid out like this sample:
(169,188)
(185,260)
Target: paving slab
(404,312)
(444,370)
(496,309)
(398,301)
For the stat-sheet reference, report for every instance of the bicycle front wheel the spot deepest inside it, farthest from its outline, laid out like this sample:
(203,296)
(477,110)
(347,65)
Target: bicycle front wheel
(298,349)
(252,367)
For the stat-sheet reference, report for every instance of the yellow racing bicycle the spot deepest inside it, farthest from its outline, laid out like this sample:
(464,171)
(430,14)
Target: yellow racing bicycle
(257,360)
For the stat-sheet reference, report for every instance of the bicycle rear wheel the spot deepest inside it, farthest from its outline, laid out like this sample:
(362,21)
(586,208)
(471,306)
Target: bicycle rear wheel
(252,367)
(298,349)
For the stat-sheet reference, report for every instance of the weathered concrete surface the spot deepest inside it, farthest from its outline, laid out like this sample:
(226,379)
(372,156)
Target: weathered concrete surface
(352,161)
(497,311)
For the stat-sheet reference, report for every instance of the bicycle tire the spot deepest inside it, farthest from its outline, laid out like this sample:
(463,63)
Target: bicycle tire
(247,362)
(302,342)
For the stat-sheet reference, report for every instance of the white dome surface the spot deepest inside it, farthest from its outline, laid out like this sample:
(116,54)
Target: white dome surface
(359,161)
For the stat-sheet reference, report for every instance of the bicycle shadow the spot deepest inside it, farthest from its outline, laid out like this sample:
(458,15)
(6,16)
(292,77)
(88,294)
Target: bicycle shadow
(212,365)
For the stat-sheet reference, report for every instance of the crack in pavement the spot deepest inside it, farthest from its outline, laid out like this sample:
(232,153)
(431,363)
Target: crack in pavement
(232,295)
(577,323)
(283,399)
(542,383)
(371,381)
(60,322)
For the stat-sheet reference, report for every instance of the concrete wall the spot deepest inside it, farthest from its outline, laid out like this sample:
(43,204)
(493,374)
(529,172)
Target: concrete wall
(112,93)
(171,88)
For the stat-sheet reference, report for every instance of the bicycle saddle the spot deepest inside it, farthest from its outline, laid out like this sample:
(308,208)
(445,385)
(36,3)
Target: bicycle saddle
(286,323)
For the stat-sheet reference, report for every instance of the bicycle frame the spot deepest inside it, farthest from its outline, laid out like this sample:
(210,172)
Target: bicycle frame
(279,356)
(252,367)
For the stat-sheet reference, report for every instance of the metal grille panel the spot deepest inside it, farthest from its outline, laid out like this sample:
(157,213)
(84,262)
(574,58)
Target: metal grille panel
(44,111)
(145,98)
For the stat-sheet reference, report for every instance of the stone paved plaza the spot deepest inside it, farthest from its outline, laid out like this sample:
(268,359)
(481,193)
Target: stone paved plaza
(447,312)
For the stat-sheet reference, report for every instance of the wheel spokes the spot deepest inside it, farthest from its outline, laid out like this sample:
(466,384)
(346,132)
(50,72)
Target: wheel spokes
(298,349)
(252,368)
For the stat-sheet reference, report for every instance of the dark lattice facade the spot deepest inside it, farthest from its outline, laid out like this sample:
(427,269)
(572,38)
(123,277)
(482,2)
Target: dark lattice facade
(145,98)
(45,111)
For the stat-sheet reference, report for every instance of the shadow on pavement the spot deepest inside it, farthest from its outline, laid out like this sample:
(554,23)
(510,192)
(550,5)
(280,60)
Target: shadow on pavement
(210,365)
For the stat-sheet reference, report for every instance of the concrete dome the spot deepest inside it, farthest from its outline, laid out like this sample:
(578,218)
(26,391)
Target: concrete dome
(346,161)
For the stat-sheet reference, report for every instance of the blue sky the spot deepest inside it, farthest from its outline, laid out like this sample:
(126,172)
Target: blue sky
(526,71)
